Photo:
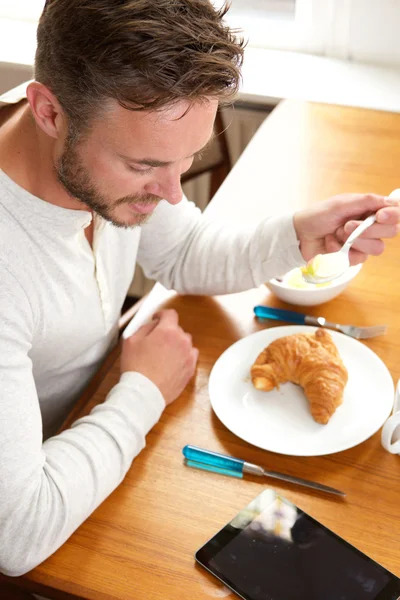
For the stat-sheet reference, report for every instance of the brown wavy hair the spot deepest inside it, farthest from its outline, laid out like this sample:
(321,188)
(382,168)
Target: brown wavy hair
(146,54)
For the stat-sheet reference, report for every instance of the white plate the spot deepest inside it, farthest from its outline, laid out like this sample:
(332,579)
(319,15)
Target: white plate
(280,420)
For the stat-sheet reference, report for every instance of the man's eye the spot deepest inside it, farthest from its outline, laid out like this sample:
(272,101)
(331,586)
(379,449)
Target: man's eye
(140,169)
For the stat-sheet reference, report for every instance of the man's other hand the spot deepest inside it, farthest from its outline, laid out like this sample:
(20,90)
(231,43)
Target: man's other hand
(163,352)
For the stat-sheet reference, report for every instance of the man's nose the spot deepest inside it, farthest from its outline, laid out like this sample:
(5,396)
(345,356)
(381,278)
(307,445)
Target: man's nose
(168,189)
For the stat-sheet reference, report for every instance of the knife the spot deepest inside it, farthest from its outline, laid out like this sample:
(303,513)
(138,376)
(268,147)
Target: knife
(235,467)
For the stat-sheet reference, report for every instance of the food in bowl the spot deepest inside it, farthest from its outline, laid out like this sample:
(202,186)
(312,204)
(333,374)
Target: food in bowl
(292,288)
(295,279)
(310,360)
(326,266)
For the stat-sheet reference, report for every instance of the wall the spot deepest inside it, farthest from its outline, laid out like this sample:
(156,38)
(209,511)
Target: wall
(374,31)
(12,75)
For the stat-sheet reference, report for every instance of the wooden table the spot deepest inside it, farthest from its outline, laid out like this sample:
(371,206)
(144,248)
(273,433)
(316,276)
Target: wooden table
(139,544)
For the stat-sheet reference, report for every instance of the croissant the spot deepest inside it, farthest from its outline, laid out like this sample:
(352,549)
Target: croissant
(310,360)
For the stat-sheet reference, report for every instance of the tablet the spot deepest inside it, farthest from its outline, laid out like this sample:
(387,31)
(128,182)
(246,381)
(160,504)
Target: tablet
(272,550)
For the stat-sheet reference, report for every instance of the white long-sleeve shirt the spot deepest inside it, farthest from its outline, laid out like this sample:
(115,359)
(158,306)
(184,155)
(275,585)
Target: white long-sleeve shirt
(60,301)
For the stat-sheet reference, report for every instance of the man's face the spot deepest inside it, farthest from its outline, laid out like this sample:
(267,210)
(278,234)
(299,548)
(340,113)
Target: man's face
(130,160)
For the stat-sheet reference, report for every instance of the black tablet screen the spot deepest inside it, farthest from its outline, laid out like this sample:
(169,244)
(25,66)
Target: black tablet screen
(277,552)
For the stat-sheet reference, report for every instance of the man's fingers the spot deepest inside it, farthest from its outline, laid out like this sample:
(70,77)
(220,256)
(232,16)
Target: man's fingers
(387,223)
(168,316)
(369,247)
(357,257)
(389,215)
(195,358)
(359,250)
(332,243)
(145,330)
(360,204)
(376,231)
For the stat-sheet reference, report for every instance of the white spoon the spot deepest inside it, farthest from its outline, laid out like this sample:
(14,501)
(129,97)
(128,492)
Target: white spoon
(326,267)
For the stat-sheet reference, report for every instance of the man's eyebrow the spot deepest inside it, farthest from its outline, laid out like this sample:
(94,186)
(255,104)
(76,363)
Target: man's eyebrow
(151,162)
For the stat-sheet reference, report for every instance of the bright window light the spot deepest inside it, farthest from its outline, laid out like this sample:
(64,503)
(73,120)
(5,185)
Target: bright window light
(21,10)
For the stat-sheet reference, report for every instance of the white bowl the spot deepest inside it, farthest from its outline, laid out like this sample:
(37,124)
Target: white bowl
(313,294)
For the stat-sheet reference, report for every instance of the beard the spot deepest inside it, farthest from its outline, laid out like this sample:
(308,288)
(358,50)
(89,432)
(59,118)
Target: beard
(77,182)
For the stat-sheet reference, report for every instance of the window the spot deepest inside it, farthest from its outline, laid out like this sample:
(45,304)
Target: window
(337,28)
(281,24)
(296,25)
(21,10)
(277,8)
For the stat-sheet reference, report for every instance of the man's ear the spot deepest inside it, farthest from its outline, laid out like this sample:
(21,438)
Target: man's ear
(46,110)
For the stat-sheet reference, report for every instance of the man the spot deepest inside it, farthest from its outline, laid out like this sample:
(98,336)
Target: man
(125,95)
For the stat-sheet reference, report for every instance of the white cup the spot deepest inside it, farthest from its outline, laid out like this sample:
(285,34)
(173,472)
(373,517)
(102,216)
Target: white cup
(395,194)
(391,430)
(390,437)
